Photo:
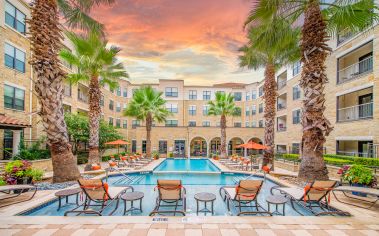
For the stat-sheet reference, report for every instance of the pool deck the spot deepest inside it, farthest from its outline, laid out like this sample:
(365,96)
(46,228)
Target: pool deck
(362,222)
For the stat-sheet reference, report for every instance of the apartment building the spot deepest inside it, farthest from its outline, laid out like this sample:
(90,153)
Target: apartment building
(190,131)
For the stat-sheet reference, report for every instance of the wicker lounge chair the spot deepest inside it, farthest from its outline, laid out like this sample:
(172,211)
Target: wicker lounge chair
(13,191)
(98,194)
(314,195)
(243,195)
(172,194)
(347,190)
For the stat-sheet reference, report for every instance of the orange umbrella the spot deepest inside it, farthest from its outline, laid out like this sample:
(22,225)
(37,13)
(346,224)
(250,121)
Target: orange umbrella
(117,143)
(252,145)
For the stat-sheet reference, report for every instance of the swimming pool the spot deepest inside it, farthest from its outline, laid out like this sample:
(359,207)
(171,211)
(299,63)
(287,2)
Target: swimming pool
(185,165)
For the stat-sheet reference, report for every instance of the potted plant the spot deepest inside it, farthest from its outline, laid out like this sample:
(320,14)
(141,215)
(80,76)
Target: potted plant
(155,155)
(21,172)
(215,156)
(358,175)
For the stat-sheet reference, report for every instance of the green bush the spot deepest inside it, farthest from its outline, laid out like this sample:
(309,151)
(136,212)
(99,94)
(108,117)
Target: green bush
(82,158)
(337,162)
(34,152)
(359,174)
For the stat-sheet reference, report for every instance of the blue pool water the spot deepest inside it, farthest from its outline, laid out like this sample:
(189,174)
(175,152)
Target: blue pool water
(198,165)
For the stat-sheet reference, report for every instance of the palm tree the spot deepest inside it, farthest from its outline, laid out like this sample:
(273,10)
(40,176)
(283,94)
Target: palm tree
(319,20)
(223,106)
(97,64)
(147,104)
(46,41)
(271,45)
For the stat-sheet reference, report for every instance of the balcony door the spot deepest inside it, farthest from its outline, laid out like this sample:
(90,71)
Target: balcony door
(364,149)
(365,105)
(365,63)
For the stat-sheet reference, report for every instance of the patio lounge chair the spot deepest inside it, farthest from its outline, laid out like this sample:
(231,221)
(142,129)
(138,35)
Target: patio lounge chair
(13,191)
(312,197)
(100,194)
(173,194)
(243,195)
(346,190)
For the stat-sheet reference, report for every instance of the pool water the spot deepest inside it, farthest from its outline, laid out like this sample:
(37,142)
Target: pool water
(185,165)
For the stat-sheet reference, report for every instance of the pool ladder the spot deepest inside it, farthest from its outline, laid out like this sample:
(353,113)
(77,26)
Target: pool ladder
(126,179)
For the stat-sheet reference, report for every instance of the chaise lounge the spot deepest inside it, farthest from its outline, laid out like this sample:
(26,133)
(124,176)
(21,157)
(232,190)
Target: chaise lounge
(348,190)
(13,191)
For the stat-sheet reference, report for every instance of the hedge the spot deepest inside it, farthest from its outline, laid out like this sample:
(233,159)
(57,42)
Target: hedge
(338,160)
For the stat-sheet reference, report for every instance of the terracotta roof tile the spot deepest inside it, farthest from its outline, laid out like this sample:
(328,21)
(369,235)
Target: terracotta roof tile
(10,121)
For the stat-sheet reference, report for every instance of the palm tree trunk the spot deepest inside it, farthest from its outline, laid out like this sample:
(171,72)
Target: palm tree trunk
(269,113)
(94,120)
(45,43)
(149,122)
(313,79)
(223,136)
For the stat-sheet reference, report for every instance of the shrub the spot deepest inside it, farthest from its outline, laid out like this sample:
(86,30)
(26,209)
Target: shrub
(18,170)
(358,174)
(337,162)
(34,152)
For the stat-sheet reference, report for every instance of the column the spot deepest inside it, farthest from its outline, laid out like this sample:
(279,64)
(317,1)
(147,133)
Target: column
(16,142)
(245,152)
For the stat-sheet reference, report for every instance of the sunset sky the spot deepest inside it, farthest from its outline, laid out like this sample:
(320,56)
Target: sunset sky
(194,40)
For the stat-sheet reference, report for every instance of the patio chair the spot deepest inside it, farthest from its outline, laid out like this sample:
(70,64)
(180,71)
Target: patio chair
(314,195)
(98,194)
(171,193)
(242,196)
(13,191)
(347,190)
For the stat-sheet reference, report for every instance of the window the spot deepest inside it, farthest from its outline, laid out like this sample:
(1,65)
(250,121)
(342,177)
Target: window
(118,107)
(14,18)
(124,106)
(67,89)
(247,111)
(237,96)
(125,92)
(295,148)
(14,58)
(296,115)
(191,123)
(135,123)
(253,109)
(253,95)
(110,121)
(238,111)
(260,124)
(205,110)
(254,124)
(206,95)
(118,123)
(296,92)
(237,124)
(14,98)
(260,91)
(261,108)
(171,123)
(206,123)
(118,91)
(171,107)
(111,105)
(143,146)
(171,92)
(125,124)
(192,110)
(247,124)
(296,68)
(192,95)
(247,96)
(222,92)
(102,100)
(162,147)
(134,146)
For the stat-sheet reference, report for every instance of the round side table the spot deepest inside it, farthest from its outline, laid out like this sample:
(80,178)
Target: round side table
(205,197)
(276,200)
(66,193)
(131,197)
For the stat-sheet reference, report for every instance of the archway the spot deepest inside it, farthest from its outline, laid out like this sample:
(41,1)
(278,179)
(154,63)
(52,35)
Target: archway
(214,145)
(232,146)
(198,147)
(252,151)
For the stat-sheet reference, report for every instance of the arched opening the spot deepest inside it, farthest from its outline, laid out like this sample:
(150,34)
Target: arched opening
(214,145)
(198,147)
(252,151)
(232,146)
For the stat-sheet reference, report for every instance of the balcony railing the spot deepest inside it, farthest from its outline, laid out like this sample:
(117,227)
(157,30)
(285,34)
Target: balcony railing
(282,128)
(357,154)
(355,70)
(358,112)
(282,84)
(343,36)
(82,98)
(281,106)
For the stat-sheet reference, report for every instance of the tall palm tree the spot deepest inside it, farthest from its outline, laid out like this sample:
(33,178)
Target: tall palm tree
(46,41)
(223,106)
(147,104)
(271,45)
(319,20)
(96,63)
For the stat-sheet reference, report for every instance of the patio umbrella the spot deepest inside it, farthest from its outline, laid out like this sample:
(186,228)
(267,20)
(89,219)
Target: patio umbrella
(252,145)
(117,143)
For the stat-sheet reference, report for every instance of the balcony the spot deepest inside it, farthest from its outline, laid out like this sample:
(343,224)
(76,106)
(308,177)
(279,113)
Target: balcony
(355,64)
(282,80)
(281,102)
(82,93)
(344,35)
(358,112)
(360,148)
(281,123)
(357,105)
